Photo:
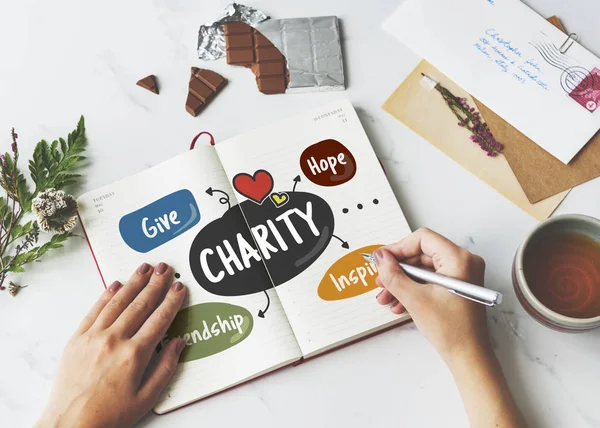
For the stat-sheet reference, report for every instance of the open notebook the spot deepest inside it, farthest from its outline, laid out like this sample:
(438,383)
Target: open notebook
(266,229)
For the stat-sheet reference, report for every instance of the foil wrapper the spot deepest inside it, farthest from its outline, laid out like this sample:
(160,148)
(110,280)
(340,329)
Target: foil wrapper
(211,39)
(313,49)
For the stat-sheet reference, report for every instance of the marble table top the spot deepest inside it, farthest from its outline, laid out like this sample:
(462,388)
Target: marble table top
(64,58)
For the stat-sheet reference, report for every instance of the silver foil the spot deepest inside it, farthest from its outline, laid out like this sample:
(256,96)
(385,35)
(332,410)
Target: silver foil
(211,39)
(313,49)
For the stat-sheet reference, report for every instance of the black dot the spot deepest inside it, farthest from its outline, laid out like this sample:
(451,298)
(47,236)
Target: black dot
(345,210)
(177,276)
(375,201)
(359,206)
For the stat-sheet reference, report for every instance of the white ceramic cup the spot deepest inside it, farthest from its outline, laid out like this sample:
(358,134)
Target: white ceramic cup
(586,225)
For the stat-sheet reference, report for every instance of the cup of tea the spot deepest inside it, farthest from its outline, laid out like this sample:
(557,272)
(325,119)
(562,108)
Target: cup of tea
(556,273)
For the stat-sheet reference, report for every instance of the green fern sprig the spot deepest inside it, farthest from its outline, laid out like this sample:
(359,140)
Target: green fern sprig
(51,163)
(51,167)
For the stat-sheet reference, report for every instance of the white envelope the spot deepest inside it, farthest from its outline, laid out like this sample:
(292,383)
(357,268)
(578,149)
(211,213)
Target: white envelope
(510,58)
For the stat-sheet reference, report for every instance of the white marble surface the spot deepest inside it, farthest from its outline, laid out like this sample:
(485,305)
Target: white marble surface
(67,57)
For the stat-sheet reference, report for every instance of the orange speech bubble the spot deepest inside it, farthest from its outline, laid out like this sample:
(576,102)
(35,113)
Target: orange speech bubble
(350,276)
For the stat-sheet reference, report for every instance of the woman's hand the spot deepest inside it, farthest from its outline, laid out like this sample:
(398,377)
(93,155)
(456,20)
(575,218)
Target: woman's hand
(105,378)
(454,325)
(451,323)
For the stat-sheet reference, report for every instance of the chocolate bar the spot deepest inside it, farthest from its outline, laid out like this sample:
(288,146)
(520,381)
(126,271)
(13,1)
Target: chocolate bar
(247,47)
(149,83)
(313,50)
(204,86)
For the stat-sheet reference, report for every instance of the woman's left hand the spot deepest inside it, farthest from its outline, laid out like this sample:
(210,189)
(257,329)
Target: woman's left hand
(105,378)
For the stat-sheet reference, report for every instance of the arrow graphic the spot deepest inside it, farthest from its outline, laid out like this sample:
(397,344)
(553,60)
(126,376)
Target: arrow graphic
(296,181)
(344,243)
(223,199)
(262,313)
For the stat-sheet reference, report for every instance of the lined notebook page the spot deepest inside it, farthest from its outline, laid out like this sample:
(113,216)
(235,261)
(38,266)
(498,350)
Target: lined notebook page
(271,342)
(317,323)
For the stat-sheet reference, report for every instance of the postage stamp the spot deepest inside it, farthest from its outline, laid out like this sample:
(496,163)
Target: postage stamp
(583,89)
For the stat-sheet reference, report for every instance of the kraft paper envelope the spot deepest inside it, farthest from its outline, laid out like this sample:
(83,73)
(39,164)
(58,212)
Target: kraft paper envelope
(541,175)
(511,59)
(424,111)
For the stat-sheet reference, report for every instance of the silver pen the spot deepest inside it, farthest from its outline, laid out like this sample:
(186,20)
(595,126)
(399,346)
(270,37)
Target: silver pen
(478,294)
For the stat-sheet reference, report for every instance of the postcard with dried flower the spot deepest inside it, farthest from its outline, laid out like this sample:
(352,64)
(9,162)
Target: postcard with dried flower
(442,113)
(512,60)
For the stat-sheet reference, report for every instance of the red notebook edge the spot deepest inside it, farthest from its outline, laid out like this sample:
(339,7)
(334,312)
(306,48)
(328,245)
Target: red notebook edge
(355,341)
(87,239)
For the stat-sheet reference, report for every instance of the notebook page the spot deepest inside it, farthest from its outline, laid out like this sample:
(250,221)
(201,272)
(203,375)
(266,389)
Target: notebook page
(227,342)
(327,290)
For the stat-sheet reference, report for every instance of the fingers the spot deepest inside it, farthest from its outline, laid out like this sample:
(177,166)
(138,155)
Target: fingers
(420,260)
(385,297)
(155,327)
(162,372)
(397,308)
(393,277)
(121,301)
(92,315)
(427,242)
(144,304)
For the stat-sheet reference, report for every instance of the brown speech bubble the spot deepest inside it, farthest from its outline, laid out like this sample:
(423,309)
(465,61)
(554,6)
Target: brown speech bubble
(328,163)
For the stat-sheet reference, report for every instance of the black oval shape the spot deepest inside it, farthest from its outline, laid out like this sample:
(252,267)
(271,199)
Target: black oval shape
(283,264)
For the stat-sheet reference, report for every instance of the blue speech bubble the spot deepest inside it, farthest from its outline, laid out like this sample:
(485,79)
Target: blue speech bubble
(156,224)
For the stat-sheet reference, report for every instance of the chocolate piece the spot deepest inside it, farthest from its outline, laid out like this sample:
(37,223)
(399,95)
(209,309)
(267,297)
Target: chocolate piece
(211,37)
(247,47)
(240,57)
(204,86)
(148,82)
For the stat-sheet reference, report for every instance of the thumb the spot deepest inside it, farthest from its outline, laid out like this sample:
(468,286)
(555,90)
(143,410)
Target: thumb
(393,277)
(162,372)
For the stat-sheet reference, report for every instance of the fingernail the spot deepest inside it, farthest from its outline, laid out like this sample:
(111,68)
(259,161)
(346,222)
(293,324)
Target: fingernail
(378,256)
(180,345)
(143,269)
(161,268)
(114,287)
(378,294)
(178,286)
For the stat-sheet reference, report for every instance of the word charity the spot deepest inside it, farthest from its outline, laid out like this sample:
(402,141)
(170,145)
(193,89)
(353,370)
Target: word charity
(229,257)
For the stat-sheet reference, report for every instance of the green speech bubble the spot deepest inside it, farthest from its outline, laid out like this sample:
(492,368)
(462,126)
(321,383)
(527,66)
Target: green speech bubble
(210,328)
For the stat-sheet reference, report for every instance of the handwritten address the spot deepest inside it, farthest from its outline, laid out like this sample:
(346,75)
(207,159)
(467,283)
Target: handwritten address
(510,59)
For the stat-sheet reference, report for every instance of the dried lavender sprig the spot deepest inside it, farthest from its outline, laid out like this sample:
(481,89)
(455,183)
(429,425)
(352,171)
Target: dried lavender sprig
(471,120)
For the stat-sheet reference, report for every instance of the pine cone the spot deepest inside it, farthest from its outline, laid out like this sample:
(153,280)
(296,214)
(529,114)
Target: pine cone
(55,210)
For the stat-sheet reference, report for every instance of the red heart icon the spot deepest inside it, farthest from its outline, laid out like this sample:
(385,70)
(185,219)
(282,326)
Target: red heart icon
(256,188)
